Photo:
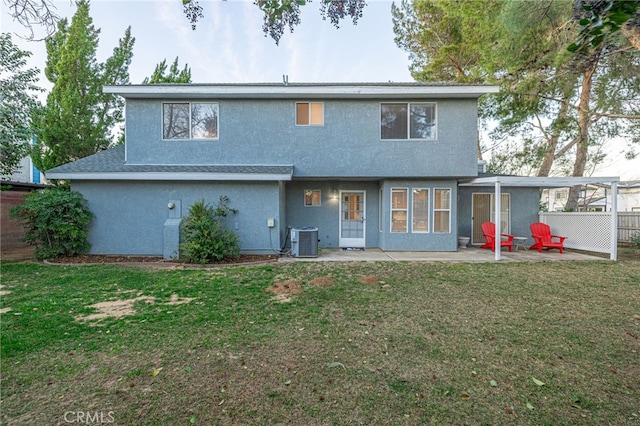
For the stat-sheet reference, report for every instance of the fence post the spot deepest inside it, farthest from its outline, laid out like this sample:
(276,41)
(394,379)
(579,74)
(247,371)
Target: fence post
(614,221)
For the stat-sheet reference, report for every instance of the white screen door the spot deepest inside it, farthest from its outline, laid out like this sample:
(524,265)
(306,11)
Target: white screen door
(352,219)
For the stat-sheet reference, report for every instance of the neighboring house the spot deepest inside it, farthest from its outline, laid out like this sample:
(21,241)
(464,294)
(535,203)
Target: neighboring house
(554,199)
(600,198)
(368,165)
(26,172)
(595,198)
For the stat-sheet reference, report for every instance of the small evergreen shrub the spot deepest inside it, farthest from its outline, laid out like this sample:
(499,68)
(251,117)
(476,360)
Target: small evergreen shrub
(635,240)
(57,222)
(204,236)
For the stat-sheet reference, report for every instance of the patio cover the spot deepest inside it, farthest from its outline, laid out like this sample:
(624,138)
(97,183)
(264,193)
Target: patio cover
(549,182)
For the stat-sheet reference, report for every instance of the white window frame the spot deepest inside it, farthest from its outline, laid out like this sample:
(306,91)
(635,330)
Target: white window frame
(190,138)
(393,210)
(413,210)
(312,193)
(408,135)
(309,118)
(441,210)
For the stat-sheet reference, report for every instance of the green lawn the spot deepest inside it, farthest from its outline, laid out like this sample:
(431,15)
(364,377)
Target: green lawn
(362,343)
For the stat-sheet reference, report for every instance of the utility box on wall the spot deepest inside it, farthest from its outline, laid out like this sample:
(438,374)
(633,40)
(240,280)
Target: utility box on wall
(304,242)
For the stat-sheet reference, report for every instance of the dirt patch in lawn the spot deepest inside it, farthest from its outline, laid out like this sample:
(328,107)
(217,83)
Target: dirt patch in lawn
(325,281)
(284,290)
(176,300)
(125,307)
(4,293)
(115,308)
(368,280)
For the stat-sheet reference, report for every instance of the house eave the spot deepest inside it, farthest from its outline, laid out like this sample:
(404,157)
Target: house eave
(173,176)
(298,91)
(538,182)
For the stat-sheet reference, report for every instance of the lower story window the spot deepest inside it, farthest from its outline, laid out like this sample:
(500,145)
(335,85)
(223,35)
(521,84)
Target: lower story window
(420,216)
(312,197)
(399,209)
(442,210)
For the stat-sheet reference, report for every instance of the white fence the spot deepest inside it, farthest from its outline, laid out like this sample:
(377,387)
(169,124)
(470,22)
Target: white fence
(590,231)
(628,226)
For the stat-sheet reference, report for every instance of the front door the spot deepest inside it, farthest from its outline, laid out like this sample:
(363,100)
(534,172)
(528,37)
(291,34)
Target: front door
(352,219)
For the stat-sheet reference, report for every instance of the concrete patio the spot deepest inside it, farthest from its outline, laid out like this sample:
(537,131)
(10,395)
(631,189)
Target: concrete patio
(472,254)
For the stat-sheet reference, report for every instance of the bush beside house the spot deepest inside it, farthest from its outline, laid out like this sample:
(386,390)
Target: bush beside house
(56,221)
(204,236)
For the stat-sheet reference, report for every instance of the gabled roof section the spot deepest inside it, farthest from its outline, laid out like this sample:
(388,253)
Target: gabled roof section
(111,165)
(302,90)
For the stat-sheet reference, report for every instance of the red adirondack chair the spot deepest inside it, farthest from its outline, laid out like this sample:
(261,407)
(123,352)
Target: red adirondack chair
(489,233)
(541,233)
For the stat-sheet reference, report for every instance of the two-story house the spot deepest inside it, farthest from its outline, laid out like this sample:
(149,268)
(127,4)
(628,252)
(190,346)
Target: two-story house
(367,164)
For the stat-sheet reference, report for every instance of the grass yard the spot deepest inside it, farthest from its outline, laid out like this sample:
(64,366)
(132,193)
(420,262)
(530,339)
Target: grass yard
(322,344)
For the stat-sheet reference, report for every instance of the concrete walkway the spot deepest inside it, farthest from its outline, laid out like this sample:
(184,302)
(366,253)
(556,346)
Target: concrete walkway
(462,255)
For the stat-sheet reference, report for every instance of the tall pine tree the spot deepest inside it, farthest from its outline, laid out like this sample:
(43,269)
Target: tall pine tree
(175,75)
(79,119)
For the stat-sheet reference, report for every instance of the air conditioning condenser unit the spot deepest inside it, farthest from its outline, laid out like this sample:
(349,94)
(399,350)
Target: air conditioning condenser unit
(304,242)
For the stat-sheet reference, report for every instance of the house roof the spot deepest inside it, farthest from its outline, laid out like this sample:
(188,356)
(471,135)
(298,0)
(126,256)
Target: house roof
(388,90)
(538,182)
(111,165)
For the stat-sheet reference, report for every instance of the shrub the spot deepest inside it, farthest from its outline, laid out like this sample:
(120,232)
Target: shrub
(204,236)
(635,240)
(57,222)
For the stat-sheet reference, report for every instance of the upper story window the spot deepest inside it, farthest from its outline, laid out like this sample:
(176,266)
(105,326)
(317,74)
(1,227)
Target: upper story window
(408,120)
(190,120)
(309,114)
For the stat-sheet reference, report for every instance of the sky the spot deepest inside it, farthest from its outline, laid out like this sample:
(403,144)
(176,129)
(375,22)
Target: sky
(229,46)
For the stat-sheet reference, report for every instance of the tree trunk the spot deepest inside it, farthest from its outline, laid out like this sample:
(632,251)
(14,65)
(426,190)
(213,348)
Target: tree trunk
(584,121)
(632,33)
(552,141)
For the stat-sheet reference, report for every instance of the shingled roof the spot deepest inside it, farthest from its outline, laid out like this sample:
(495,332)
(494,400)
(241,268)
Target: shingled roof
(111,165)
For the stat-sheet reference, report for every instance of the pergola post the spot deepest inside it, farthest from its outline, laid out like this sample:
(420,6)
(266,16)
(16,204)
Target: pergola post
(614,221)
(498,218)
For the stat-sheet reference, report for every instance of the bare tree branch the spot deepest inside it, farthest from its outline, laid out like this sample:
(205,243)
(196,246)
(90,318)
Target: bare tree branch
(33,13)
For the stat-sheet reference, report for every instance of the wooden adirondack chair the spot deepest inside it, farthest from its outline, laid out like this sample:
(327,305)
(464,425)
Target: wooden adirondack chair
(489,233)
(541,233)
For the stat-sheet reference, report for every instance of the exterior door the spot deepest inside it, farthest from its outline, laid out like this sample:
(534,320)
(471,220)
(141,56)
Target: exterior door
(352,219)
(483,210)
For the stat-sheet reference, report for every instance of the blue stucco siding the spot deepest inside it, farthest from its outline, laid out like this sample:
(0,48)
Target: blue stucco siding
(347,145)
(326,217)
(130,216)
(418,241)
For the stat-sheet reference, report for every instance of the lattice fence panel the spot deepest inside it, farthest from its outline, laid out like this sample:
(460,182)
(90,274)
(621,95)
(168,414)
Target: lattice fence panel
(584,231)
